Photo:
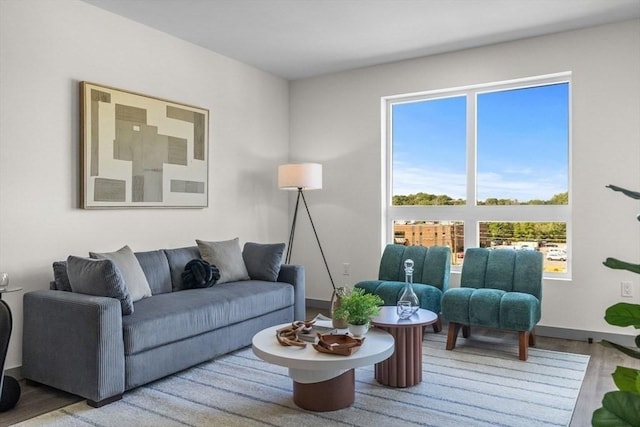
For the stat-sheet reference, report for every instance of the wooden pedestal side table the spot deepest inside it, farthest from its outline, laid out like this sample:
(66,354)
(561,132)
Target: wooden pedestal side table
(404,368)
(321,382)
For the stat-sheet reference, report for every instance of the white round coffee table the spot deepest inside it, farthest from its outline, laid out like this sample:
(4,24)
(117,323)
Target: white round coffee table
(322,382)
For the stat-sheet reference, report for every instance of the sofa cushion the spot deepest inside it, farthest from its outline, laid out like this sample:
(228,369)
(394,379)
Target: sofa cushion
(227,256)
(167,318)
(156,269)
(60,276)
(519,311)
(178,258)
(388,294)
(263,261)
(429,296)
(455,305)
(391,263)
(128,264)
(484,307)
(99,277)
(431,264)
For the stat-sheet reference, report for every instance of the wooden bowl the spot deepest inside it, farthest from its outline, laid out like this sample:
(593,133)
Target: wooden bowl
(339,344)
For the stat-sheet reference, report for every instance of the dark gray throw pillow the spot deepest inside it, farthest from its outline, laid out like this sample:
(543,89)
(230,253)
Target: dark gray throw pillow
(178,259)
(99,277)
(132,273)
(263,260)
(60,276)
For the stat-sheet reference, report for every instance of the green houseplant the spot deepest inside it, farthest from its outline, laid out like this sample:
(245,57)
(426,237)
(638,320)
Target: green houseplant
(358,307)
(622,407)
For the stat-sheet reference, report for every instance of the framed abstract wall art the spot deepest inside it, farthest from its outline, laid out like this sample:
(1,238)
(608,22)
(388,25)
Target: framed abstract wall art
(138,151)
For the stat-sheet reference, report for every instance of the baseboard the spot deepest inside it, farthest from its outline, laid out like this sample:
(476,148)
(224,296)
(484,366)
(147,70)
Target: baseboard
(543,331)
(582,335)
(318,303)
(14,372)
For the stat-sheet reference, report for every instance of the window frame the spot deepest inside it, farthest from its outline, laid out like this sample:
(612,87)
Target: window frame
(472,214)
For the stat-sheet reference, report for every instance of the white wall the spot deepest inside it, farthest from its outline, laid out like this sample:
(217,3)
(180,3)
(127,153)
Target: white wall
(335,120)
(46,48)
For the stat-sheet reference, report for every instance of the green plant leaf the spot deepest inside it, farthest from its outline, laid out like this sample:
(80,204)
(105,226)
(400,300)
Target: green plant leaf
(619,409)
(623,314)
(627,379)
(604,418)
(622,408)
(632,194)
(626,350)
(357,307)
(622,265)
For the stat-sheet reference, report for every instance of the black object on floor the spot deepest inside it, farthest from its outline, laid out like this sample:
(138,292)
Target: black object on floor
(10,389)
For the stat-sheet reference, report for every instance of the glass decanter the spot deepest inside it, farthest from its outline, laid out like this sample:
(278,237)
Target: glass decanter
(408,302)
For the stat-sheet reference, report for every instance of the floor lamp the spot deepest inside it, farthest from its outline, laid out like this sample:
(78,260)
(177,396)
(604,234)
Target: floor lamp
(300,177)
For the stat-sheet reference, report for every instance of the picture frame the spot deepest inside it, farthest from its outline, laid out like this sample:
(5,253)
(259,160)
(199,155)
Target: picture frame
(139,151)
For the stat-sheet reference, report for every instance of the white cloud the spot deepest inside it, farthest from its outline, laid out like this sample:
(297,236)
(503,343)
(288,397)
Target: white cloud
(415,180)
(520,186)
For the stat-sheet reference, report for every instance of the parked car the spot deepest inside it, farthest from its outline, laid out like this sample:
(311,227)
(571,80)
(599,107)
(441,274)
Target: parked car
(559,255)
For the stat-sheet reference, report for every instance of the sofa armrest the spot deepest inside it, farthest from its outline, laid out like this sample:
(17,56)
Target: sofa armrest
(74,342)
(294,274)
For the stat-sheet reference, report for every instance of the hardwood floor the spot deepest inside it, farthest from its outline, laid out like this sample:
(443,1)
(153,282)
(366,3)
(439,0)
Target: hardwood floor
(36,400)
(598,378)
(39,399)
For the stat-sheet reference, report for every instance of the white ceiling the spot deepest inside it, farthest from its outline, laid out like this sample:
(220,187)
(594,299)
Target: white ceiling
(302,38)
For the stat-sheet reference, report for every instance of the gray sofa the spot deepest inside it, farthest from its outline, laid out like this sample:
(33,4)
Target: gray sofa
(82,344)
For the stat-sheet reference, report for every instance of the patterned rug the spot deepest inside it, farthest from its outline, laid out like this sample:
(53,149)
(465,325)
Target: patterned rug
(480,383)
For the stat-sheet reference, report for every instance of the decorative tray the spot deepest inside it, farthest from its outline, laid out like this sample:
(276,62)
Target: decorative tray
(340,344)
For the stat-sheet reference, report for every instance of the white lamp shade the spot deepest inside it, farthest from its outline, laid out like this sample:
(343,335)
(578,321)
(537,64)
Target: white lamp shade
(307,176)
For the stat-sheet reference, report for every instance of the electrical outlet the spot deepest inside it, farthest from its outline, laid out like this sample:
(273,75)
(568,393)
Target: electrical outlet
(346,269)
(626,289)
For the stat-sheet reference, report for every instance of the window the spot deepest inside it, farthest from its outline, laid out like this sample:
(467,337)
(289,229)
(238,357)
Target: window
(481,166)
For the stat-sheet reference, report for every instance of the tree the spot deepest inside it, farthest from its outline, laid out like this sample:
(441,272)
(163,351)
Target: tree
(560,199)
(425,199)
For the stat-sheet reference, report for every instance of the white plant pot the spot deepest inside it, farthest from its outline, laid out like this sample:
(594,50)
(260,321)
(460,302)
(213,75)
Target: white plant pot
(358,330)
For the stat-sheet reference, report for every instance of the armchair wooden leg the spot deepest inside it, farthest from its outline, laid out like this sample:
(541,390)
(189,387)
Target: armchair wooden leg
(524,339)
(437,327)
(466,331)
(452,335)
(532,338)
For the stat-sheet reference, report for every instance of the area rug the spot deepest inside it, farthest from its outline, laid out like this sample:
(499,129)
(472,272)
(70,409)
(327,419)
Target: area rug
(479,383)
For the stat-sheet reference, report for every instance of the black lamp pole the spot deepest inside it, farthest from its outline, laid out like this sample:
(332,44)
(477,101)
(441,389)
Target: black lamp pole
(293,232)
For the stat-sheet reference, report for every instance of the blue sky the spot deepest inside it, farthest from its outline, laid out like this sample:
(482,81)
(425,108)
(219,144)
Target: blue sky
(522,143)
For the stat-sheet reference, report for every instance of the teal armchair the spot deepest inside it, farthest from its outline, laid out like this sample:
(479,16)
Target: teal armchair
(430,276)
(499,289)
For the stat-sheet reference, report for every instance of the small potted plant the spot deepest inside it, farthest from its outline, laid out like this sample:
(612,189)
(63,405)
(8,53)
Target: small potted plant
(358,307)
